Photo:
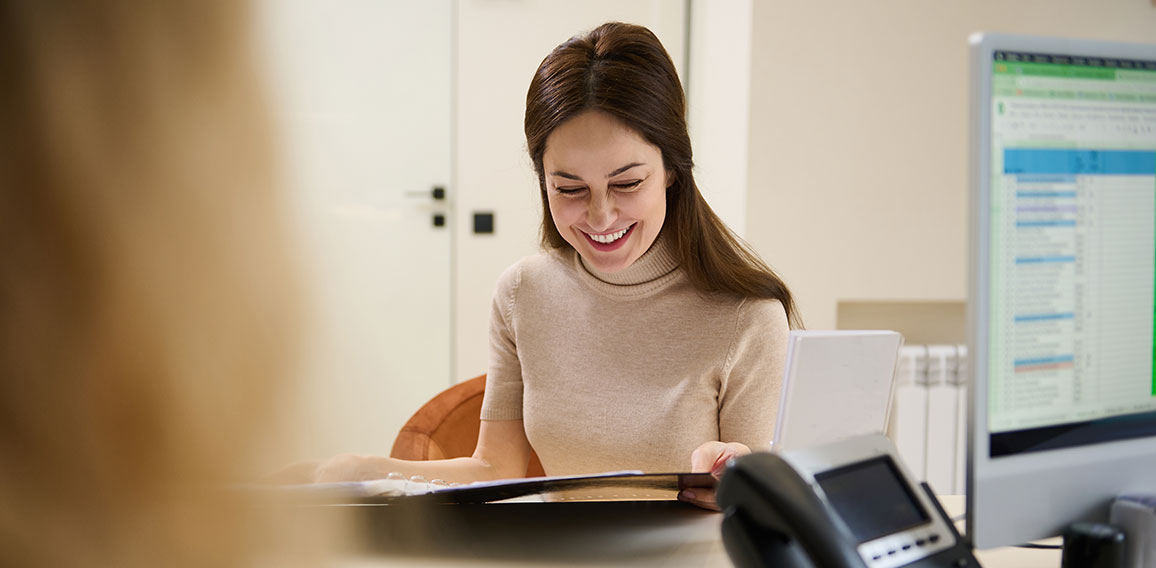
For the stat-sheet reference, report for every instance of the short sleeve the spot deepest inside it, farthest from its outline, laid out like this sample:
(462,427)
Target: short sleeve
(752,377)
(503,396)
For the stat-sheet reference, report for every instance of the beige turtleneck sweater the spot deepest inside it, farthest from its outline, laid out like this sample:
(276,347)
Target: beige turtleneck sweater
(630,370)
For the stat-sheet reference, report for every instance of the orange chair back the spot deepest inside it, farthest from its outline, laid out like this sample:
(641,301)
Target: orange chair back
(447,427)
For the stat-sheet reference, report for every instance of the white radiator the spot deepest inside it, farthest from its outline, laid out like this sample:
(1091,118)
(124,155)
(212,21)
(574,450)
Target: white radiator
(928,421)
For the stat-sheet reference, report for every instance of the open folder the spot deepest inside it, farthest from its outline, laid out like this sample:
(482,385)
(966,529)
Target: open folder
(611,486)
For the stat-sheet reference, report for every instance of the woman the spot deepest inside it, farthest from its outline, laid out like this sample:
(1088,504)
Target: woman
(647,336)
(144,307)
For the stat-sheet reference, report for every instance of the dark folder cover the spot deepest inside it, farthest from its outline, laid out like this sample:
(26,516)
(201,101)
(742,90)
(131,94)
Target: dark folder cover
(611,486)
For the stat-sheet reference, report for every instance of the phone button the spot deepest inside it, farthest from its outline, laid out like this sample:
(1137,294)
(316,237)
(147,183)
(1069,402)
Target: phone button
(933,538)
(920,542)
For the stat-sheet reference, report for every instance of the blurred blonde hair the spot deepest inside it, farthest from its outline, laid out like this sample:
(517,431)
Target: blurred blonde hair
(146,294)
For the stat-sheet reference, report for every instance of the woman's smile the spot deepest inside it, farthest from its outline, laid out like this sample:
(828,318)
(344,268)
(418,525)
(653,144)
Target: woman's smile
(609,241)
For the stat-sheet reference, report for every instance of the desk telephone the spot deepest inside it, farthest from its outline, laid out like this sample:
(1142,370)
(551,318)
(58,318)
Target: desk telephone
(848,504)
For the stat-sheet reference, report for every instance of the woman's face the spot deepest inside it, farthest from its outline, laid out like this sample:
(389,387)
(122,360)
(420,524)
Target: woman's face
(606,187)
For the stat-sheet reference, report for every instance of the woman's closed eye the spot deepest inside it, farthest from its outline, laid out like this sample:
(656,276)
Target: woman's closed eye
(625,186)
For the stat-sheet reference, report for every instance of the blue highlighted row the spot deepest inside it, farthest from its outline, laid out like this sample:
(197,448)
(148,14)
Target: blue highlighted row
(1056,223)
(1046,178)
(1079,162)
(1044,317)
(1045,194)
(1044,259)
(1045,360)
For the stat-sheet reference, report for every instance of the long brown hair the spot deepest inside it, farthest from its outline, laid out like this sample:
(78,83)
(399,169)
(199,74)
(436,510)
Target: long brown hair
(146,297)
(623,70)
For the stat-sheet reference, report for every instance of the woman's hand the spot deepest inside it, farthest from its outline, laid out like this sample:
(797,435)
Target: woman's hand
(293,474)
(710,457)
(348,467)
(345,467)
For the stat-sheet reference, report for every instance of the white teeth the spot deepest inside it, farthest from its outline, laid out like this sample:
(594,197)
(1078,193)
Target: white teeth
(607,239)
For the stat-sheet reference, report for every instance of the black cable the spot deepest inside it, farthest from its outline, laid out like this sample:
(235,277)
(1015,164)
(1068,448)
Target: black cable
(1040,546)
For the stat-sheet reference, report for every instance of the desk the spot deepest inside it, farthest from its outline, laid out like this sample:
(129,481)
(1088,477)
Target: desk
(656,533)
(1008,557)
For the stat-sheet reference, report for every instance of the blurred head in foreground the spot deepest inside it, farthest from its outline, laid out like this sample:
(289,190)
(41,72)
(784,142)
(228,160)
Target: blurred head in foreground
(145,315)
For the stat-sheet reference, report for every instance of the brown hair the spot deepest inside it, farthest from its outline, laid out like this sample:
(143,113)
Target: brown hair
(623,70)
(146,297)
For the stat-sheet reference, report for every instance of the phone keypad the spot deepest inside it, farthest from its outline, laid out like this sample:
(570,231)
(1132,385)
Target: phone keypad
(903,548)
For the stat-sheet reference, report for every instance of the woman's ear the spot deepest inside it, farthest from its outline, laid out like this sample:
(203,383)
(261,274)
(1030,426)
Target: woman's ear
(669,178)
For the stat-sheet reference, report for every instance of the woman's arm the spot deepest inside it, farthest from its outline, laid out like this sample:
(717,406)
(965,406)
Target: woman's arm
(749,399)
(502,452)
(752,379)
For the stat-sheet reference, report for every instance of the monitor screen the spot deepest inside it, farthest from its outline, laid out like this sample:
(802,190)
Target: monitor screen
(1063,265)
(1073,250)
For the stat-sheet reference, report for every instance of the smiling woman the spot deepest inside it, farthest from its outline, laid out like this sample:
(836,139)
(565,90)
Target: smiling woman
(666,334)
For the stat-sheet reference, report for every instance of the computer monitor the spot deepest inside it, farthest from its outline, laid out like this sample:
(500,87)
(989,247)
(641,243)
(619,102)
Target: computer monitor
(1063,253)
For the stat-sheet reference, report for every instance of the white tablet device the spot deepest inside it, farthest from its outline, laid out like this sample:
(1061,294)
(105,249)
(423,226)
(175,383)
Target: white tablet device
(836,384)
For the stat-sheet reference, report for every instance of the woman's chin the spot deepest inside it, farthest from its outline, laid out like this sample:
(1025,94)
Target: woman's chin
(607,263)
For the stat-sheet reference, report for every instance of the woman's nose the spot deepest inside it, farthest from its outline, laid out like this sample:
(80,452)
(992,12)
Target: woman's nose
(601,213)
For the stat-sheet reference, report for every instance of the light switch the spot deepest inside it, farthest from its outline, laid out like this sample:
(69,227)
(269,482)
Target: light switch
(483,223)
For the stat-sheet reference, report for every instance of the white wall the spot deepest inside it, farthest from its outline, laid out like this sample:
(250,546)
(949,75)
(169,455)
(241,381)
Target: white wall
(500,44)
(859,137)
(719,96)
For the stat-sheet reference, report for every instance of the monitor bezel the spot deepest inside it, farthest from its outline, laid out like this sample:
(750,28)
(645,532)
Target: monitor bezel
(1027,496)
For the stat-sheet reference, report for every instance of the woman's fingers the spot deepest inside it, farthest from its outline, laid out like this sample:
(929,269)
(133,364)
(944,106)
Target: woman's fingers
(704,458)
(699,496)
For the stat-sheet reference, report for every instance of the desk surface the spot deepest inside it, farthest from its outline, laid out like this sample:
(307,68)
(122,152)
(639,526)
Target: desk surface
(658,533)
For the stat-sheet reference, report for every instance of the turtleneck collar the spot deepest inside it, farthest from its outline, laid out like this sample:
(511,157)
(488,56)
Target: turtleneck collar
(656,267)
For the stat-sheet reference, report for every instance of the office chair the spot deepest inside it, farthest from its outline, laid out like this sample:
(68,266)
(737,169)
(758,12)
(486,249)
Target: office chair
(447,427)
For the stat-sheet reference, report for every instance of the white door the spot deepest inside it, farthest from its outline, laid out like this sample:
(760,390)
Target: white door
(361,91)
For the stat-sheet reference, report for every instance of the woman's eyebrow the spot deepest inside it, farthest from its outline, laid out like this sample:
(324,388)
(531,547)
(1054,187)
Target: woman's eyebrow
(624,168)
(569,175)
(566,175)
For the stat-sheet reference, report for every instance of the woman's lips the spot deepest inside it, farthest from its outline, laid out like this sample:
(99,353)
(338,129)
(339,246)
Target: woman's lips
(619,238)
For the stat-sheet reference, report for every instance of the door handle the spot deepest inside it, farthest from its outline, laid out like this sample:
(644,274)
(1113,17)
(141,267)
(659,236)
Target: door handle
(437,193)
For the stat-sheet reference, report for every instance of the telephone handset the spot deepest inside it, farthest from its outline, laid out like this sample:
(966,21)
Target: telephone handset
(849,504)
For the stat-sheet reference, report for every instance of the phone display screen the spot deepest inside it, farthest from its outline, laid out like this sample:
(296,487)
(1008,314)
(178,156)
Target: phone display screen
(871,498)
